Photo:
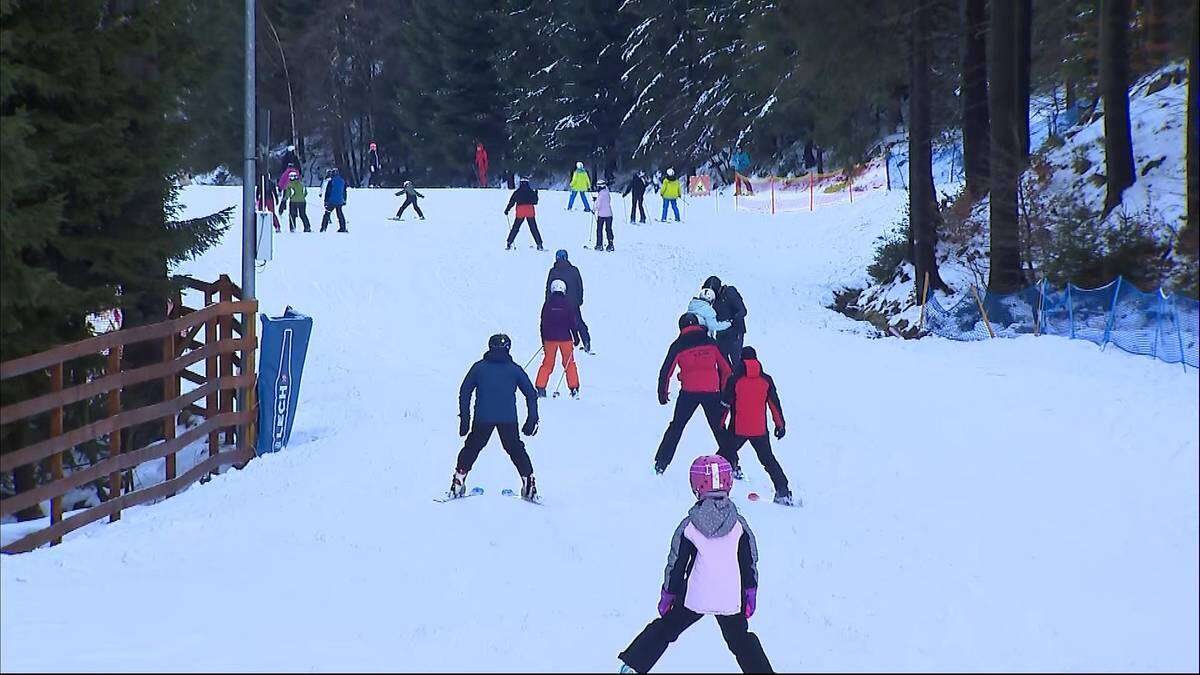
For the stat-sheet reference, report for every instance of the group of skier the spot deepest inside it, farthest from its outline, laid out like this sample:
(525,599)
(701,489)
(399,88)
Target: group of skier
(290,192)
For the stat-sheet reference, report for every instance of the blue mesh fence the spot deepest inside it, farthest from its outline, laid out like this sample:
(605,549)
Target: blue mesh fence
(1165,327)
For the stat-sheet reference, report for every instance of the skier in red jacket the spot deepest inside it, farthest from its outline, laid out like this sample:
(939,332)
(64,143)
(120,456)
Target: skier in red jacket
(750,393)
(702,373)
(481,163)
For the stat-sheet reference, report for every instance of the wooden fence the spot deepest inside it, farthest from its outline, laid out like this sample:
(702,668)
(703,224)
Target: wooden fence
(227,343)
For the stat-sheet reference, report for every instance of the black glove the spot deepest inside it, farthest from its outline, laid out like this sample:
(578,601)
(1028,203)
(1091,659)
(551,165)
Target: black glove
(779,432)
(464,426)
(663,398)
(506,212)
(530,428)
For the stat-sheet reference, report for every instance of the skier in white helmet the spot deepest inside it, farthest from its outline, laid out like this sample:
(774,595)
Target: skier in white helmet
(580,184)
(701,306)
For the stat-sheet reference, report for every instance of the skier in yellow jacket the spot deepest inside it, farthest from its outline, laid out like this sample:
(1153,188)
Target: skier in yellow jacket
(670,192)
(580,184)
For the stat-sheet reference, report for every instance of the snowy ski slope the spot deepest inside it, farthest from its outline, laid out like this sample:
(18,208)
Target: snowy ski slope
(1016,504)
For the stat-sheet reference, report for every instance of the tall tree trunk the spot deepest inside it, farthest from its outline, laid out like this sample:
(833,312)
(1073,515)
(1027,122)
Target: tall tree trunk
(975,124)
(1024,58)
(922,203)
(1005,256)
(1190,236)
(1114,86)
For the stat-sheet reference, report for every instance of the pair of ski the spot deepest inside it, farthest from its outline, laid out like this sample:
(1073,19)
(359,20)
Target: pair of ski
(476,491)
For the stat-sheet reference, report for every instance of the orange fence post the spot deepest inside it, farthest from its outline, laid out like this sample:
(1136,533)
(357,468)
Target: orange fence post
(113,408)
(56,460)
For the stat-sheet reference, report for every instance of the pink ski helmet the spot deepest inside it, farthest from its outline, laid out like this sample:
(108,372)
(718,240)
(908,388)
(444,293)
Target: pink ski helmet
(711,473)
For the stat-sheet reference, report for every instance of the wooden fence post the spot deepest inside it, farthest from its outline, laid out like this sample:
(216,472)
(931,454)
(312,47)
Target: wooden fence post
(810,190)
(113,408)
(226,362)
(924,296)
(250,331)
(56,461)
(169,385)
(211,378)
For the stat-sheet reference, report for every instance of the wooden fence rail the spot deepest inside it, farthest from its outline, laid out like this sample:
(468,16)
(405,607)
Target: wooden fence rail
(228,344)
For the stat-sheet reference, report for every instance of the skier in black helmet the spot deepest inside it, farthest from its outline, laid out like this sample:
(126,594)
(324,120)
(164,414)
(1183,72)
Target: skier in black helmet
(494,379)
(728,305)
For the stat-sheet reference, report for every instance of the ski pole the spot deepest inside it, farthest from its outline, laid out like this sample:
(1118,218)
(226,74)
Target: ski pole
(535,355)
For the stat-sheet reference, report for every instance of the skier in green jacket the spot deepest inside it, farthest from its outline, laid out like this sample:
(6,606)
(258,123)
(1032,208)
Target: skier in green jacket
(580,184)
(294,195)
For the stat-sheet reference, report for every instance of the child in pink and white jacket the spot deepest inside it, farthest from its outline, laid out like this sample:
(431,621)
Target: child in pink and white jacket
(712,569)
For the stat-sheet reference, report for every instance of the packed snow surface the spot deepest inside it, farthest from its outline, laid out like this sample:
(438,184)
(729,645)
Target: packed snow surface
(1020,504)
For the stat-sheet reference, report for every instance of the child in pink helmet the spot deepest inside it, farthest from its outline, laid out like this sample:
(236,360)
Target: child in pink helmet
(712,568)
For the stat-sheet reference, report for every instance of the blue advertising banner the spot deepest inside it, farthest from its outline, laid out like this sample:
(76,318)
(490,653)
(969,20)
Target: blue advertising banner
(284,346)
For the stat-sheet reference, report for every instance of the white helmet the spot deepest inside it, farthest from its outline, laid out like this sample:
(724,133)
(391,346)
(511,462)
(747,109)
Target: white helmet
(707,295)
(578,165)
(558,286)
(670,172)
(291,147)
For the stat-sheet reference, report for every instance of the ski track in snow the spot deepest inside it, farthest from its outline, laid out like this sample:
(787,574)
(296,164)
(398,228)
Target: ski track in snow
(1006,505)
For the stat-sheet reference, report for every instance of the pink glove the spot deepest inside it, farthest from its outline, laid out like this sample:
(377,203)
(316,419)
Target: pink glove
(664,602)
(750,594)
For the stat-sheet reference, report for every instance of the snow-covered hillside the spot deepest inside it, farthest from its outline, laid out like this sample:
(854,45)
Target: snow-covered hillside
(1070,167)
(1019,504)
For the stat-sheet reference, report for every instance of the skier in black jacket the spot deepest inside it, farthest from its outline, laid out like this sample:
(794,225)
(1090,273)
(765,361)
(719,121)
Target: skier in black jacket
(636,187)
(569,274)
(525,199)
(494,379)
(729,307)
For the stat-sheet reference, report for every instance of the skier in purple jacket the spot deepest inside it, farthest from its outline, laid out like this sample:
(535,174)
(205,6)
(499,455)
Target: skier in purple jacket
(712,569)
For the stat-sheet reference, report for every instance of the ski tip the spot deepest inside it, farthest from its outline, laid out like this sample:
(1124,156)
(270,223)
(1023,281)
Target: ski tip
(476,490)
(753,496)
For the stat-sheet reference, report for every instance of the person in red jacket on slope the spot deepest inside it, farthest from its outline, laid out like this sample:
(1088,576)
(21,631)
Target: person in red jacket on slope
(750,393)
(481,163)
(703,371)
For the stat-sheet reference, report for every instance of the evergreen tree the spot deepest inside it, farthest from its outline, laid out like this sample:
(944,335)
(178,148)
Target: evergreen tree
(1006,152)
(1114,85)
(975,126)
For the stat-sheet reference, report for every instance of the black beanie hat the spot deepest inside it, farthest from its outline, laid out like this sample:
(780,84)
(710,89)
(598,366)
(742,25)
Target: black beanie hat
(749,353)
(712,282)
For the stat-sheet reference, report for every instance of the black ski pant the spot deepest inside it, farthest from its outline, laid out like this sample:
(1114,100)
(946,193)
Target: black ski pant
(730,343)
(510,438)
(516,227)
(581,334)
(639,204)
(409,201)
(685,407)
(603,223)
(648,647)
(296,209)
(762,447)
(341,218)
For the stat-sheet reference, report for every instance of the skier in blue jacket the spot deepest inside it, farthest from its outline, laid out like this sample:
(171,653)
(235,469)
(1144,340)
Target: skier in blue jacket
(335,199)
(702,307)
(494,379)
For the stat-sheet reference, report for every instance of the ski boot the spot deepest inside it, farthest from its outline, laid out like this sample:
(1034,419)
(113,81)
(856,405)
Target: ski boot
(599,247)
(625,669)
(737,473)
(575,392)
(539,247)
(528,488)
(541,392)
(609,248)
(508,247)
(658,470)
(784,498)
(458,485)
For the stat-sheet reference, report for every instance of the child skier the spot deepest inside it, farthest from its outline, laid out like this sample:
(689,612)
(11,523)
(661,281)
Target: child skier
(294,197)
(335,198)
(558,323)
(410,199)
(604,215)
(702,307)
(580,184)
(750,393)
(670,195)
(569,274)
(494,379)
(712,568)
(703,372)
(525,199)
